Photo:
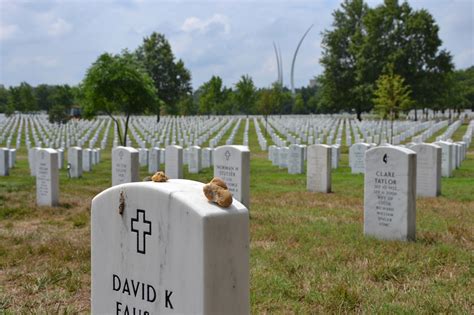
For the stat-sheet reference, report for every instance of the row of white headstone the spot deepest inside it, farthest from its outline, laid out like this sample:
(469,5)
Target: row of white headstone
(230,162)
(162,247)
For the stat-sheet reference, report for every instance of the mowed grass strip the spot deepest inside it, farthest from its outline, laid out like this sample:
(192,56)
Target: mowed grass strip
(308,253)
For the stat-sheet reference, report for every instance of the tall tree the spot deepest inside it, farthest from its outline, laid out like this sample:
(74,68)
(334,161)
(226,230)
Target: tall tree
(364,42)
(62,95)
(212,96)
(408,39)
(245,95)
(22,98)
(117,84)
(42,94)
(3,98)
(343,82)
(171,79)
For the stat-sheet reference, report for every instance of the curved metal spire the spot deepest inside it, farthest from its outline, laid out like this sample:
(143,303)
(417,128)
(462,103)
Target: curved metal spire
(294,59)
(278,62)
(281,66)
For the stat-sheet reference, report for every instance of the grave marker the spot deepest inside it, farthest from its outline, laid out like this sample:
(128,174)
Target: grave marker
(125,166)
(232,165)
(428,169)
(390,193)
(47,178)
(174,161)
(318,175)
(168,251)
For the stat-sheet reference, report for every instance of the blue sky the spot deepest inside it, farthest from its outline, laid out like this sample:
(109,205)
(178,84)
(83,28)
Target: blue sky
(54,42)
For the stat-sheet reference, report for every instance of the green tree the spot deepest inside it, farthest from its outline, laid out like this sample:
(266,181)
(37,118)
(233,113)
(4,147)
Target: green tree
(364,42)
(22,98)
(187,106)
(57,114)
(343,82)
(62,95)
(463,86)
(245,95)
(117,84)
(211,96)
(171,79)
(390,97)
(3,98)
(408,39)
(265,105)
(298,105)
(42,94)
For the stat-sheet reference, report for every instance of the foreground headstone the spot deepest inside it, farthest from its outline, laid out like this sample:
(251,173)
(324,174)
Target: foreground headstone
(318,174)
(232,165)
(74,159)
(125,166)
(47,178)
(174,161)
(390,193)
(428,169)
(168,250)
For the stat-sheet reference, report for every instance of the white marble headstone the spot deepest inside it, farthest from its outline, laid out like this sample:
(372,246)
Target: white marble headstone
(47,177)
(296,159)
(174,161)
(154,162)
(4,161)
(390,193)
(169,251)
(428,169)
(357,157)
(194,159)
(232,164)
(74,159)
(318,174)
(125,165)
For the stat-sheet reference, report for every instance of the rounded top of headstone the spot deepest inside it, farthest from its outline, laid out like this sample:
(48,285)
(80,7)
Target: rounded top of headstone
(173,146)
(129,149)
(177,191)
(241,148)
(49,150)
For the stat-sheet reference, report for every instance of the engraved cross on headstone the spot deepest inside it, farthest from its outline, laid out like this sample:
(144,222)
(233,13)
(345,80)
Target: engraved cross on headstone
(142,228)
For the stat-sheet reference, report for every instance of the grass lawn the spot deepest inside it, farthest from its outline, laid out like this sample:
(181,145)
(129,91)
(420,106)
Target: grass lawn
(307,252)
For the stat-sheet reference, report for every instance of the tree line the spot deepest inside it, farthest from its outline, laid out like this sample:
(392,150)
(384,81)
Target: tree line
(386,59)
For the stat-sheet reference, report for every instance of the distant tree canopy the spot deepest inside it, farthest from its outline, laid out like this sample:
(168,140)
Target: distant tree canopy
(171,79)
(364,41)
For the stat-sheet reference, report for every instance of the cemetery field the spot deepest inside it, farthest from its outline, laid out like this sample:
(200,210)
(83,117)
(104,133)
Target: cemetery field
(308,253)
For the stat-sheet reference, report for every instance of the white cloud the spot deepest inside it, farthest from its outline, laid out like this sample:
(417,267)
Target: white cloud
(217,21)
(59,27)
(35,61)
(8,31)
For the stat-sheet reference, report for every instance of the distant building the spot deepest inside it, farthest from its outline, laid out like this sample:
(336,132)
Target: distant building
(313,83)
